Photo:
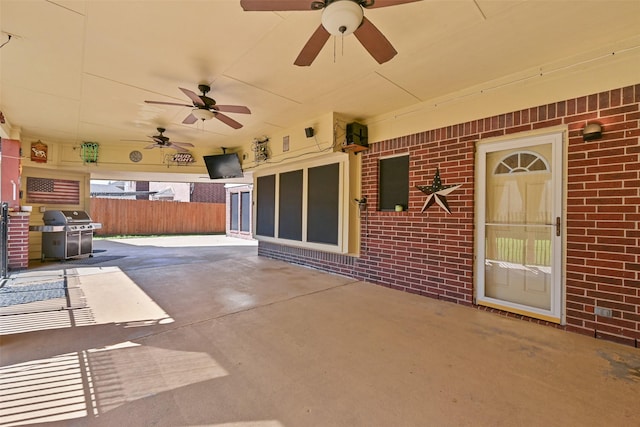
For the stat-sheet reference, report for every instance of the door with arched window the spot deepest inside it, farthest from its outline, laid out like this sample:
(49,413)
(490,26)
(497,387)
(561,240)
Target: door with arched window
(519,234)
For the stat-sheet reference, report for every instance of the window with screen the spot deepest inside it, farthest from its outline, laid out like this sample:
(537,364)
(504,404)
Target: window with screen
(245,211)
(290,206)
(233,211)
(304,204)
(393,185)
(266,209)
(324,204)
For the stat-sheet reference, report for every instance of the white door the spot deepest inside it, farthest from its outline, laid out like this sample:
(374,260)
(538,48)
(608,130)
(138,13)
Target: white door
(519,232)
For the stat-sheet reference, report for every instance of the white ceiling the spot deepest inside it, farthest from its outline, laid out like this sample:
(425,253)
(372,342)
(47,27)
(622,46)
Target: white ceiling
(80,70)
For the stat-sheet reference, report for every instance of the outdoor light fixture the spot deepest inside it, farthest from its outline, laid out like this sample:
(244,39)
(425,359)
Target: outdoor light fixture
(202,114)
(342,17)
(592,131)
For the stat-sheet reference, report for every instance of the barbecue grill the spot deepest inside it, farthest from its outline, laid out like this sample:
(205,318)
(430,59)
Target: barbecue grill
(66,234)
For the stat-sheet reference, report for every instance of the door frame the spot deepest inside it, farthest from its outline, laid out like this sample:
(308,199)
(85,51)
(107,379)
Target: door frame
(558,137)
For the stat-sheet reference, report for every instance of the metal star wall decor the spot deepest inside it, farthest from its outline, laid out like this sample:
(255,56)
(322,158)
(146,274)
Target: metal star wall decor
(437,193)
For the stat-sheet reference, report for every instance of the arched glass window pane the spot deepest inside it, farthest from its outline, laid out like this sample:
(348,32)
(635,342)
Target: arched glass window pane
(538,165)
(521,162)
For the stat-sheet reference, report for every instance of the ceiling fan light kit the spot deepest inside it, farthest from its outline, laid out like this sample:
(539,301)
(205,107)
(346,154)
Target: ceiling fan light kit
(202,114)
(339,18)
(161,141)
(342,17)
(205,108)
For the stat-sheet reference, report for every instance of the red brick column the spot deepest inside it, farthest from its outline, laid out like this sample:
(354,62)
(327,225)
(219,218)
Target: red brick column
(18,244)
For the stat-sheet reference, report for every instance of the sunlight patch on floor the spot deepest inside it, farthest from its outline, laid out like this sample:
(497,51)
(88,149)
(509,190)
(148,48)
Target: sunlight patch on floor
(268,423)
(186,241)
(94,296)
(44,390)
(114,298)
(92,382)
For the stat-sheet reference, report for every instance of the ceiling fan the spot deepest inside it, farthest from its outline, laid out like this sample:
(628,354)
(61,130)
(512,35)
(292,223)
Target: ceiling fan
(161,141)
(205,108)
(339,18)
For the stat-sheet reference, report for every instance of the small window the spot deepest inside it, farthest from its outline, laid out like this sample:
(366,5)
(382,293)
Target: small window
(393,187)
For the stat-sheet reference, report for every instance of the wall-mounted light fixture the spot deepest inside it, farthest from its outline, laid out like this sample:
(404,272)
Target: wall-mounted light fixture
(592,131)
(308,131)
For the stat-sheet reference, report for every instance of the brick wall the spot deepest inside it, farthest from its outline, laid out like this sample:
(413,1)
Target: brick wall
(142,186)
(18,241)
(432,254)
(206,192)
(603,214)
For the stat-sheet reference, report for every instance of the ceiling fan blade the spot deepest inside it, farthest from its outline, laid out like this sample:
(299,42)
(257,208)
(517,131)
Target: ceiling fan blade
(374,41)
(228,121)
(168,103)
(313,47)
(177,147)
(148,147)
(190,119)
(193,96)
(385,3)
(271,5)
(182,144)
(232,109)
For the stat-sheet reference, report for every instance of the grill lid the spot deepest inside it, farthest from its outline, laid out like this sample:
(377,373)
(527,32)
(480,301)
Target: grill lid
(65,217)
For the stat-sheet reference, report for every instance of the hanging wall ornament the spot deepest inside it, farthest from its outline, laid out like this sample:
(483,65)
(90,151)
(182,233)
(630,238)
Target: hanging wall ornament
(89,152)
(437,193)
(39,152)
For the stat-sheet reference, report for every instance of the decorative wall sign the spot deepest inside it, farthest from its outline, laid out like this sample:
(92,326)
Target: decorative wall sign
(183,158)
(53,191)
(135,156)
(261,149)
(89,152)
(436,193)
(39,152)
(179,159)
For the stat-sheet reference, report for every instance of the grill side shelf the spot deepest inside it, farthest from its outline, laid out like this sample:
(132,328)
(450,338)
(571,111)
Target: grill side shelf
(47,228)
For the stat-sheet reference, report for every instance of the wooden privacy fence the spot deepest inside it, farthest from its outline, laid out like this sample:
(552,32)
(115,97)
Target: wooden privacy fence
(146,217)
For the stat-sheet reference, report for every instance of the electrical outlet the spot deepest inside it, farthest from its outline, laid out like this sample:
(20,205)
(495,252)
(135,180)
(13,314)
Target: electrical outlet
(604,312)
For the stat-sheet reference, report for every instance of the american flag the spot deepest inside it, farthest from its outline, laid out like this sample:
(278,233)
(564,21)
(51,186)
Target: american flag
(53,191)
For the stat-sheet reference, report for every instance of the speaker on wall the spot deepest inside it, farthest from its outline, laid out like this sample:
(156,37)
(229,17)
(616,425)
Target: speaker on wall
(308,131)
(357,134)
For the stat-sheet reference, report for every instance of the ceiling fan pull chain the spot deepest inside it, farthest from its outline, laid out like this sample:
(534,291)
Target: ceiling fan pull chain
(334,50)
(341,47)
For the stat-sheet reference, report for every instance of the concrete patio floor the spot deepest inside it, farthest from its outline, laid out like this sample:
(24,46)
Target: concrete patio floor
(200,331)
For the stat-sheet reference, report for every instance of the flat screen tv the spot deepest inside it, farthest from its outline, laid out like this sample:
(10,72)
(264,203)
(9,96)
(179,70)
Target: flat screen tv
(221,166)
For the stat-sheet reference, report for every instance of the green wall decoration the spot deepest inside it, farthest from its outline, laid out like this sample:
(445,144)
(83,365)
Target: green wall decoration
(89,152)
